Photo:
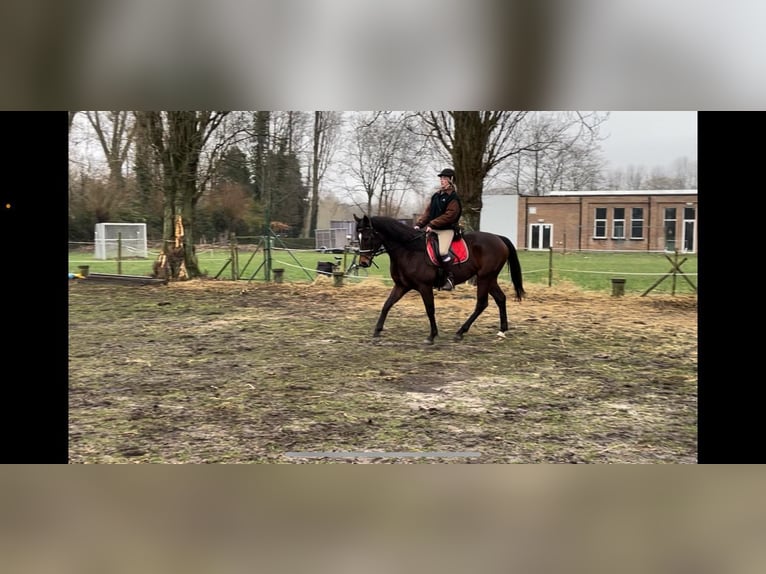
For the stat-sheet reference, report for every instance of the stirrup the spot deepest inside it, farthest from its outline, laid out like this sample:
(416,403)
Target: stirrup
(448,285)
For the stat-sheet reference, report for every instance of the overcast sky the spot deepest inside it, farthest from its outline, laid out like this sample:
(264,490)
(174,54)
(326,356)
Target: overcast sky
(651,139)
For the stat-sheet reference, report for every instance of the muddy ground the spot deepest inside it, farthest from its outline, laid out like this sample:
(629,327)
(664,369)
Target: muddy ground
(224,372)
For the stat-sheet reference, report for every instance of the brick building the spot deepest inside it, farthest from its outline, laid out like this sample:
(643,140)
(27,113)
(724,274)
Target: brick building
(643,220)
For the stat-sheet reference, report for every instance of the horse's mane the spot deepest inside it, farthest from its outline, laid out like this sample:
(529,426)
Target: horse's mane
(398,232)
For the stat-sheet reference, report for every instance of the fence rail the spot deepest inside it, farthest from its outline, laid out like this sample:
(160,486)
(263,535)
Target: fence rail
(591,270)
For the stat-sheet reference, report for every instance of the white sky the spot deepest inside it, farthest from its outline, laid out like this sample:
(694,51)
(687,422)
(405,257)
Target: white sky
(651,139)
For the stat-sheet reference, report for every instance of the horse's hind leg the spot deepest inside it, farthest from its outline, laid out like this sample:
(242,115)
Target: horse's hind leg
(499,297)
(482,301)
(396,293)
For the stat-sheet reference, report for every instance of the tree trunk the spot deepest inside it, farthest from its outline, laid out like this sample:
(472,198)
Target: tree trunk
(470,196)
(311,218)
(190,256)
(179,145)
(470,139)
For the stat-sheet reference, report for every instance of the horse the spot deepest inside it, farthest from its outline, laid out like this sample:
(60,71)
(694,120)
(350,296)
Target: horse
(412,268)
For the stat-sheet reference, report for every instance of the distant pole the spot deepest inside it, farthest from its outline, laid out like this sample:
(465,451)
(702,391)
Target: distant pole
(345,252)
(233,256)
(550,266)
(267,234)
(119,253)
(673,278)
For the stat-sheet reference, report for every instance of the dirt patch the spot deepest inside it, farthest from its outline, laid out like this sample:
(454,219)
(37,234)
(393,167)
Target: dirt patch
(219,371)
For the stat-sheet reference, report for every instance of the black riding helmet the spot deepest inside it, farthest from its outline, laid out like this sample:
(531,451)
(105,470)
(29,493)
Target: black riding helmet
(450,173)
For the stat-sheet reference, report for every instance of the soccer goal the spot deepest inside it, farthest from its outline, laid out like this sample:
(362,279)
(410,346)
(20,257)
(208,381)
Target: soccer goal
(129,237)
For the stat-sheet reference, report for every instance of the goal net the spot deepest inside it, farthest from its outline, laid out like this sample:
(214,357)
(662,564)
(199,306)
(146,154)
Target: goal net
(130,238)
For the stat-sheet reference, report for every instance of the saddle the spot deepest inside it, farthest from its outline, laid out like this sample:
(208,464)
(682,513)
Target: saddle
(458,249)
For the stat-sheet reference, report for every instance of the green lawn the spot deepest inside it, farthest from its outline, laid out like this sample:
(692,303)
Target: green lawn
(591,271)
(594,271)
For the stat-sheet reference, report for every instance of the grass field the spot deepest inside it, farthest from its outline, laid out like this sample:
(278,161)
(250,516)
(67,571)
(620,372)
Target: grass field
(592,271)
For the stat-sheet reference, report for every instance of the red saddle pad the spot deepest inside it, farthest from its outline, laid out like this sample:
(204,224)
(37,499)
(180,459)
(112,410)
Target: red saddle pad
(459,251)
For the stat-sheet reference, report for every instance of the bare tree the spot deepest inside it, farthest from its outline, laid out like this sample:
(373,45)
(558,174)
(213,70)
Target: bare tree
(324,143)
(567,155)
(583,169)
(477,142)
(178,138)
(573,168)
(384,160)
(685,173)
(290,131)
(660,179)
(680,174)
(115,134)
(366,157)
(617,178)
(404,173)
(280,143)
(635,177)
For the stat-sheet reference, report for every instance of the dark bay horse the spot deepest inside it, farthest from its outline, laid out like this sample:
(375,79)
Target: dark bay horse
(412,269)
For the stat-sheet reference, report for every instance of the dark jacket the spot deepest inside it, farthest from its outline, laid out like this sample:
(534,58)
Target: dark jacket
(442,212)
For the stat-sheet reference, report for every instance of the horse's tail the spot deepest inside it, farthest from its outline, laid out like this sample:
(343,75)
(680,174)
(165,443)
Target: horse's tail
(514,267)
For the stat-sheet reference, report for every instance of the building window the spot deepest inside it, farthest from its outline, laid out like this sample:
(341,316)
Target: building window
(599,224)
(637,223)
(618,223)
(670,228)
(689,229)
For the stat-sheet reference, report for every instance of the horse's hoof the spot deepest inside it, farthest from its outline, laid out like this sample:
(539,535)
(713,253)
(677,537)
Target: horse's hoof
(501,334)
(429,341)
(458,337)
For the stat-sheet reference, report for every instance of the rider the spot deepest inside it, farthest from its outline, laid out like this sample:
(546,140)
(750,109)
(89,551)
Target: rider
(441,216)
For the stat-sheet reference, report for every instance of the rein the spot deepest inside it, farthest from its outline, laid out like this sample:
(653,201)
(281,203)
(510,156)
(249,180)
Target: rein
(382,247)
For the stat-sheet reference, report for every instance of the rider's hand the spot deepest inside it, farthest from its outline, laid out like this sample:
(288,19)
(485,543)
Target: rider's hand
(417,227)
(428,229)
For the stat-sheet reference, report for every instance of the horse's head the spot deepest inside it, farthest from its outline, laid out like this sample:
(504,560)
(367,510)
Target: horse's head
(369,240)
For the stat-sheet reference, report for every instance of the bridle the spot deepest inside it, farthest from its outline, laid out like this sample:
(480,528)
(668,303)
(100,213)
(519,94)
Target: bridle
(371,253)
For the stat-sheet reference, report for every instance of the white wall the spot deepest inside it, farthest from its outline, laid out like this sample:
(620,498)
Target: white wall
(500,214)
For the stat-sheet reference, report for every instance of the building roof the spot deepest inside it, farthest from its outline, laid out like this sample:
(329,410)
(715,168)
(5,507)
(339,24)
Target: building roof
(624,192)
(510,191)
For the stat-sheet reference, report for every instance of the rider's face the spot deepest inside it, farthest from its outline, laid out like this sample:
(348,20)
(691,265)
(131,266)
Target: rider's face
(444,182)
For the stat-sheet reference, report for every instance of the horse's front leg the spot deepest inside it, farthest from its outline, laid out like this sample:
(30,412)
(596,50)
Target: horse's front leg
(396,293)
(427,293)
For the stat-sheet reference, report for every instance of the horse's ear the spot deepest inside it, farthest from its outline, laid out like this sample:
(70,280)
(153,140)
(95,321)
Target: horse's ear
(356,218)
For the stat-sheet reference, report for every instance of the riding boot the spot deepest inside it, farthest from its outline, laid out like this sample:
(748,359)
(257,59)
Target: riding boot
(449,283)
